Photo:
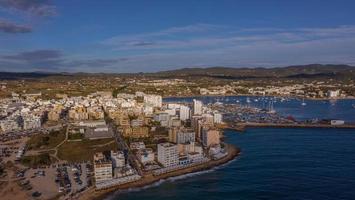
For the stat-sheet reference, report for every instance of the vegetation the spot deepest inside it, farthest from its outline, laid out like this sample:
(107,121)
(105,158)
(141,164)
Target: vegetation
(75,136)
(37,160)
(85,149)
(46,141)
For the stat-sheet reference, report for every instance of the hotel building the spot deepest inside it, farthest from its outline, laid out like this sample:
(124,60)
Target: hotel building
(168,154)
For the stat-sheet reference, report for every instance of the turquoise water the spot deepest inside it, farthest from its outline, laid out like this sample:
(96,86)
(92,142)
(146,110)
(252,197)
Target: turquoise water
(274,164)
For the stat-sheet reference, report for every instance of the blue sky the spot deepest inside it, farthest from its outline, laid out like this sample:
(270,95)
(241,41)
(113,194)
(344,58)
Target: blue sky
(154,35)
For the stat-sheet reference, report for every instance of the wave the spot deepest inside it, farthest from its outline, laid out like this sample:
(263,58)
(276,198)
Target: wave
(170,179)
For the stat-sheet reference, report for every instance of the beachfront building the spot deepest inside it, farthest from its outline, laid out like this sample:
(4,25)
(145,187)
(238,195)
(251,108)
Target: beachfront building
(146,155)
(118,159)
(210,137)
(168,154)
(102,167)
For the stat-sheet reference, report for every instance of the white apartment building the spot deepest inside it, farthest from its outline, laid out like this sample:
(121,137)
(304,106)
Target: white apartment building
(333,93)
(185,136)
(197,107)
(217,118)
(163,118)
(118,159)
(168,154)
(153,100)
(102,168)
(31,122)
(184,113)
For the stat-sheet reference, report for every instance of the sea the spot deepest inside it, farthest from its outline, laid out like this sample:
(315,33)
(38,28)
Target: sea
(275,163)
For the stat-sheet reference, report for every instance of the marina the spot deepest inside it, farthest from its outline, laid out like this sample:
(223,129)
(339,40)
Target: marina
(241,112)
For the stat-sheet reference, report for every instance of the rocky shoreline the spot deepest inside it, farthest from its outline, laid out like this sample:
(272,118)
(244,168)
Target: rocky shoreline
(92,194)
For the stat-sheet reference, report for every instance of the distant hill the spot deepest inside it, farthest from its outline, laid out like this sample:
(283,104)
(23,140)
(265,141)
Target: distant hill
(292,72)
(299,71)
(27,75)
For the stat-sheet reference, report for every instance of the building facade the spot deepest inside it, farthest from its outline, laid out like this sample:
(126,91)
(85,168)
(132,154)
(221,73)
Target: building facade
(168,154)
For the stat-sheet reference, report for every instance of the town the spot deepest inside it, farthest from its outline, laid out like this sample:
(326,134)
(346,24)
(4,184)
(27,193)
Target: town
(74,144)
(299,81)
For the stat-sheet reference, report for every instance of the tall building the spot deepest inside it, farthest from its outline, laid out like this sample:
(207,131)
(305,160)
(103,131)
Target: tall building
(217,118)
(185,136)
(102,167)
(168,154)
(197,107)
(184,113)
(118,159)
(210,137)
(172,134)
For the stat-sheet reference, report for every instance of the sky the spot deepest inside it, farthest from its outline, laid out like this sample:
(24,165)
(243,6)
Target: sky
(155,35)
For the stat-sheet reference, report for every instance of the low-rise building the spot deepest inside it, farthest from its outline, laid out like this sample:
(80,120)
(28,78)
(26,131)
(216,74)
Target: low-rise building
(31,122)
(137,145)
(146,155)
(9,125)
(136,132)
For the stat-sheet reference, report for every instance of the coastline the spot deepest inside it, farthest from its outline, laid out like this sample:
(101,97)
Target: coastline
(92,194)
(242,126)
(254,95)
